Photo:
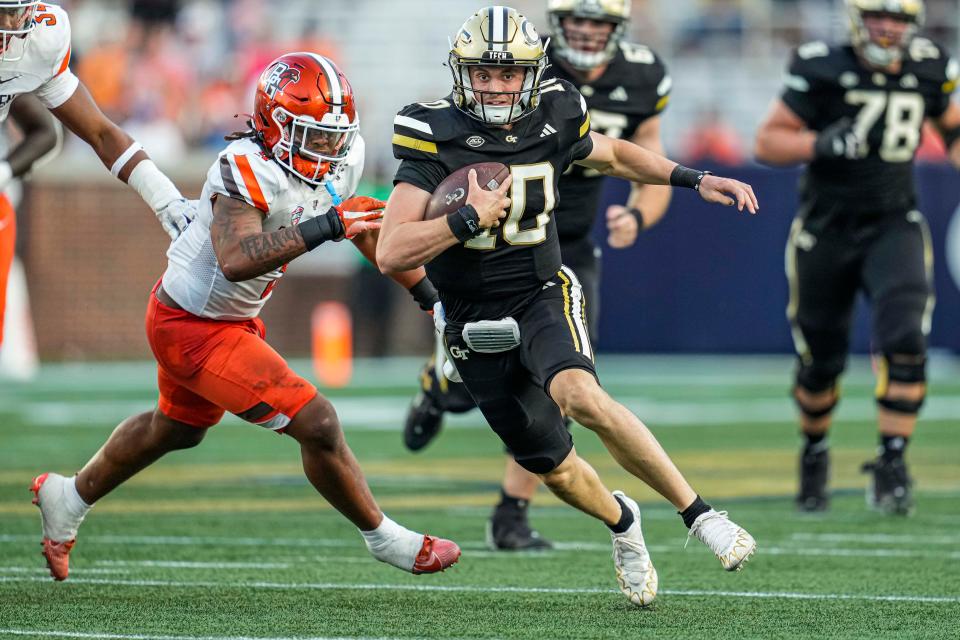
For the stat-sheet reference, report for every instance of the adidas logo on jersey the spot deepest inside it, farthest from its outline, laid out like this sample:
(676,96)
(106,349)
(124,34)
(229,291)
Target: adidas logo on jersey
(619,94)
(547,130)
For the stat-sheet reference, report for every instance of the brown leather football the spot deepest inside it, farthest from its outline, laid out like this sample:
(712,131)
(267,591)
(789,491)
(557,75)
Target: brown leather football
(451,194)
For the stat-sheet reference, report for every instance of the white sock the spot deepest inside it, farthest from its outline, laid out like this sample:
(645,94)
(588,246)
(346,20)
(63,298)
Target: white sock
(393,544)
(73,501)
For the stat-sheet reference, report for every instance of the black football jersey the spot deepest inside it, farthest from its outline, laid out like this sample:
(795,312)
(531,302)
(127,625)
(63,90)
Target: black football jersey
(635,86)
(826,83)
(491,275)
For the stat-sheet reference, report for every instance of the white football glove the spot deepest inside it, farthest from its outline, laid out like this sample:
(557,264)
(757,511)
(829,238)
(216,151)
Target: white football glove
(443,363)
(175,216)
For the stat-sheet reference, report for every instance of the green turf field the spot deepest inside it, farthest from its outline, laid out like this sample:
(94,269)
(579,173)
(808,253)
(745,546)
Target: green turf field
(229,541)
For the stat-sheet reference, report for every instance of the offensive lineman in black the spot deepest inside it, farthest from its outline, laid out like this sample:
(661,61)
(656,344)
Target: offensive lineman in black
(512,317)
(626,87)
(854,114)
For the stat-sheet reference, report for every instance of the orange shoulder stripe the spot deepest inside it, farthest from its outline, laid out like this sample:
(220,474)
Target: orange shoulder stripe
(65,63)
(250,182)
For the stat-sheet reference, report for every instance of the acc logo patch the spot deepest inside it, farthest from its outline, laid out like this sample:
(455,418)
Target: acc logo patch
(476,141)
(279,76)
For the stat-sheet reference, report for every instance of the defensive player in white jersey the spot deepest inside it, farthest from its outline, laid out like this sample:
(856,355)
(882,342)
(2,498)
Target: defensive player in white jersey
(35,58)
(39,138)
(272,195)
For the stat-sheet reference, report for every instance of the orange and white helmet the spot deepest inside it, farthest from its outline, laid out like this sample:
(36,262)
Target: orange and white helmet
(305,115)
(16,22)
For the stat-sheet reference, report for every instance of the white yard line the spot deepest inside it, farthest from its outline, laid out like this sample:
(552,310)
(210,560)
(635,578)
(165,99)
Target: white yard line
(290,586)
(479,549)
(877,537)
(139,636)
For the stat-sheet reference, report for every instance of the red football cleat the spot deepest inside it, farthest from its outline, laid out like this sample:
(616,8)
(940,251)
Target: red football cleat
(436,554)
(56,553)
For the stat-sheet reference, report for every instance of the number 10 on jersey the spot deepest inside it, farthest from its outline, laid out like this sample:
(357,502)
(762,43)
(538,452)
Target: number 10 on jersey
(520,207)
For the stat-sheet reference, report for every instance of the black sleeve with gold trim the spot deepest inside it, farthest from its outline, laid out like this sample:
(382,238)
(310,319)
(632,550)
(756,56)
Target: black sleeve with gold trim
(415,145)
(936,69)
(806,81)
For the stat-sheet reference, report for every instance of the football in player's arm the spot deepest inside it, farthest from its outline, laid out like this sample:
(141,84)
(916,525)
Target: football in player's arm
(35,58)
(407,241)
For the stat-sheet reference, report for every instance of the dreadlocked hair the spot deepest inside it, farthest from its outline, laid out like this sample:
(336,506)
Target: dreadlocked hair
(251,132)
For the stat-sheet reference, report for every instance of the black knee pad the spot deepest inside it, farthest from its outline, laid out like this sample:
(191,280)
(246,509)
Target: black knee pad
(816,412)
(905,368)
(905,407)
(819,375)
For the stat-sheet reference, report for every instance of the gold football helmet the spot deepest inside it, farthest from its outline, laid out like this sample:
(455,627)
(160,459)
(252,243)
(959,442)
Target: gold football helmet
(877,53)
(613,11)
(497,36)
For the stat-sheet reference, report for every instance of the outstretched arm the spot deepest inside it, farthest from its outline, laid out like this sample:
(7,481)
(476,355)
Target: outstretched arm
(125,159)
(626,160)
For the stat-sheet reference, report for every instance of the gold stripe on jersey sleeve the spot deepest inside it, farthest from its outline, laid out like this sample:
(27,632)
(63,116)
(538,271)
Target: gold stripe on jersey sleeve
(415,144)
(949,86)
(585,127)
(662,102)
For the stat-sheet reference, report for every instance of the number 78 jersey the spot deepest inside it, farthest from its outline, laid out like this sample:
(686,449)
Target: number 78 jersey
(826,83)
(483,277)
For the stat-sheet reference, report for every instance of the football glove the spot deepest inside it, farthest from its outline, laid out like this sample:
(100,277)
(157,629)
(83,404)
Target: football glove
(176,215)
(840,140)
(359,214)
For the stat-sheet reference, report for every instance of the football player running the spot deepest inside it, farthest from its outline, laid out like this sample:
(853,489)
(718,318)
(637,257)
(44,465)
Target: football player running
(496,264)
(626,87)
(39,138)
(853,114)
(34,58)
(273,194)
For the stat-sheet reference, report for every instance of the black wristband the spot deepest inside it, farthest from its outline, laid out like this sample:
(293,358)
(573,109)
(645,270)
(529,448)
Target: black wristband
(638,216)
(464,223)
(318,230)
(682,176)
(425,294)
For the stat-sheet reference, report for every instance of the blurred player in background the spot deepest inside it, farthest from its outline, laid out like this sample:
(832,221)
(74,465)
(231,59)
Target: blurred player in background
(272,195)
(512,315)
(853,113)
(35,58)
(40,137)
(626,87)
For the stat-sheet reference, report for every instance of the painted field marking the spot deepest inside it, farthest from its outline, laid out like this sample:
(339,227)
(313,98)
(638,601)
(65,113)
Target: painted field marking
(878,537)
(477,547)
(140,636)
(290,586)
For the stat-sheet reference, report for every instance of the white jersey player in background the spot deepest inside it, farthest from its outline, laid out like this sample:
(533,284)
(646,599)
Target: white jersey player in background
(272,195)
(35,58)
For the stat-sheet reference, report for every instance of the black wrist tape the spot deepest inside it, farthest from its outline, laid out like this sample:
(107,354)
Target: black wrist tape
(425,294)
(464,223)
(316,231)
(682,176)
(638,215)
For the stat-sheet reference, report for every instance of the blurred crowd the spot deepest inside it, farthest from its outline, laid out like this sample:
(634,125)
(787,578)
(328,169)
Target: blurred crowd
(176,72)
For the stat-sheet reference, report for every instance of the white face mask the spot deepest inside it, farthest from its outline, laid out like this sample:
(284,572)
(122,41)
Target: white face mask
(13,40)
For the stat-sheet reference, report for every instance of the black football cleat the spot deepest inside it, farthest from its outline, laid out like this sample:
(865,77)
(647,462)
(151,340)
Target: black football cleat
(890,490)
(423,422)
(509,530)
(814,474)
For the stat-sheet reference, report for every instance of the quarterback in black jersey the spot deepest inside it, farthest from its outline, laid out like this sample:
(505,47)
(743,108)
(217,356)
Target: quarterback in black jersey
(853,113)
(512,316)
(626,87)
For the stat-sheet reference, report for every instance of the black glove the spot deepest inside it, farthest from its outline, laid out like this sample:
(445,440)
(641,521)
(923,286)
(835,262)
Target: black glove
(839,140)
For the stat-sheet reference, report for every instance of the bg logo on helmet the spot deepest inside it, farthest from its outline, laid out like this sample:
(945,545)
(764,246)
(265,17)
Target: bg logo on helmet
(281,74)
